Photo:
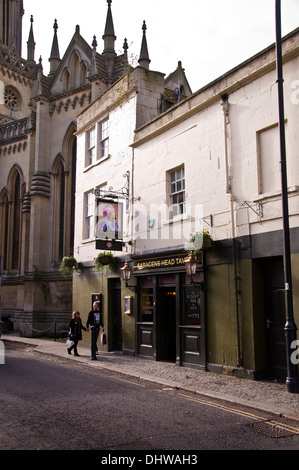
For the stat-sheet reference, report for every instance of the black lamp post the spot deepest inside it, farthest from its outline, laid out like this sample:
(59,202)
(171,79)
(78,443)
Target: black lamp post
(292,380)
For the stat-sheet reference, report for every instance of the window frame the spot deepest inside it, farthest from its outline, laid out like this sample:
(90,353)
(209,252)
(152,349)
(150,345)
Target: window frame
(12,98)
(91,158)
(97,143)
(176,188)
(89,205)
(103,133)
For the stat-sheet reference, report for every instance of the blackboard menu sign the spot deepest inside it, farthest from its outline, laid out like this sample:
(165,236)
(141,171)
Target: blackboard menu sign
(192,306)
(147,303)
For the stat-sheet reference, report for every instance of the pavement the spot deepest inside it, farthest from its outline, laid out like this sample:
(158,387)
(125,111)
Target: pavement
(264,396)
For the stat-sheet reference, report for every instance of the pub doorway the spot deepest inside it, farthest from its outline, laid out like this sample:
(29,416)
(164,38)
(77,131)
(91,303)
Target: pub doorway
(166,331)
(117,342)
(275,318)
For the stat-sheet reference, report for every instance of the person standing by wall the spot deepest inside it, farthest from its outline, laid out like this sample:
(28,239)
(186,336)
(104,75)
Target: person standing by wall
(94,321)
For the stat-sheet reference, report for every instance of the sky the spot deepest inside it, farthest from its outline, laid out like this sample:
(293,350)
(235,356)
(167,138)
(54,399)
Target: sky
(209,37)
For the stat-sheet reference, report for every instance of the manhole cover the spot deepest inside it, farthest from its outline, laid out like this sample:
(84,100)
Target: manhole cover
(272,429)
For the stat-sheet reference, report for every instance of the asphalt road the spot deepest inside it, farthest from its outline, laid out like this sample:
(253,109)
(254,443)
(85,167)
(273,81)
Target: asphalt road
(52,404)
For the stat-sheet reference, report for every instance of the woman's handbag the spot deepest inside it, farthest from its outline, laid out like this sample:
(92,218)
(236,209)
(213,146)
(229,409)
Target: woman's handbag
(71,336)
(103,338)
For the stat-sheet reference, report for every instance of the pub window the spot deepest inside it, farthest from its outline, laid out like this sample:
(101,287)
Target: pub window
(177,192)
(89,215)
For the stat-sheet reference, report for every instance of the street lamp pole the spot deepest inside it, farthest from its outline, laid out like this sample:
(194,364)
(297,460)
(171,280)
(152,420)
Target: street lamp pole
(292,380)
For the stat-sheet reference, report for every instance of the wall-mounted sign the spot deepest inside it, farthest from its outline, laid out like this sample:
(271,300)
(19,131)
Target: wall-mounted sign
(165,262)
(128,305)
(109,220)
(192,306)
(109,245)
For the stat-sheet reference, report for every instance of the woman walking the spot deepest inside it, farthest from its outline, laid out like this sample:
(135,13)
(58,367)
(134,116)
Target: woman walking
(76,330)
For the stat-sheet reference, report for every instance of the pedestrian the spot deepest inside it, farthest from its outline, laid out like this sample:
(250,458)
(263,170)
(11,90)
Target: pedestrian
(94,321)
(76,328)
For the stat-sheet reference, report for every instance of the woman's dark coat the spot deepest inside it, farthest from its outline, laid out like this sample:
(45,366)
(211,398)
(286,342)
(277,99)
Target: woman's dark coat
(76,328)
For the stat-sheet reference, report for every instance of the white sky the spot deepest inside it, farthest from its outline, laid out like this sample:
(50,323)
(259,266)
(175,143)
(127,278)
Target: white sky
(210,37)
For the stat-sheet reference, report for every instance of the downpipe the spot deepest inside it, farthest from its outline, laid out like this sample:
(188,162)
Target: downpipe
(225,109)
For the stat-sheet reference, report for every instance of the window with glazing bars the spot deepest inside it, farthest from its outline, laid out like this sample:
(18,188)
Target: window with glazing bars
(104,138)
(177,191)
(89,218)
(91,146)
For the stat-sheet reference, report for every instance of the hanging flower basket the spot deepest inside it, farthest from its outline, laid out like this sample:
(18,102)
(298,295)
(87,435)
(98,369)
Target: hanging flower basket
(207,243)
(68,265)
(200,241)
(105,259)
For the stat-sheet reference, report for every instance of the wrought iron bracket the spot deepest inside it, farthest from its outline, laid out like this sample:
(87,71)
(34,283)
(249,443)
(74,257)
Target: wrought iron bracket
(258,212)
(110,193)
(208,220)
(132,288)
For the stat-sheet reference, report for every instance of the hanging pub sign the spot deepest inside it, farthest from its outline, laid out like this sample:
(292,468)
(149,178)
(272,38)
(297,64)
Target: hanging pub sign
(109,220)
(109,245)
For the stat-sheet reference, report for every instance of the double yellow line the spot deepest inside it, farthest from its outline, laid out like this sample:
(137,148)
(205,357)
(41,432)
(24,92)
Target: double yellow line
(228,409)
(246,414)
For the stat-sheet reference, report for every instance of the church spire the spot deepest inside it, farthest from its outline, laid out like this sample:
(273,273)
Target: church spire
(109,36)
(31,43)
(55,55)
(11,14)
(144,59)
(125,48)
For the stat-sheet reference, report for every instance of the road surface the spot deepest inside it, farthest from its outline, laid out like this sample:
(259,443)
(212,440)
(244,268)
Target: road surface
(55,404)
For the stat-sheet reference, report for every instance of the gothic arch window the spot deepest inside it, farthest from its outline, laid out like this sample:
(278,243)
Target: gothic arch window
(83,73)
(70,150)
(74,70)
(16,216)
(66,79)
(64,186)
(11,215)
(59,207)
(61,188)
(73,192)
(4,214)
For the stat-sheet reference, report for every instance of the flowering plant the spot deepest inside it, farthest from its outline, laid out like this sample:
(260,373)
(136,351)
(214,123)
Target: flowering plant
(200,241)
(68,265)
(106,258)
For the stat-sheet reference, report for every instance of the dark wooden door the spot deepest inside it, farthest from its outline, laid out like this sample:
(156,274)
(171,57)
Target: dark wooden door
(116,317)
(166,347)
(275,317)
